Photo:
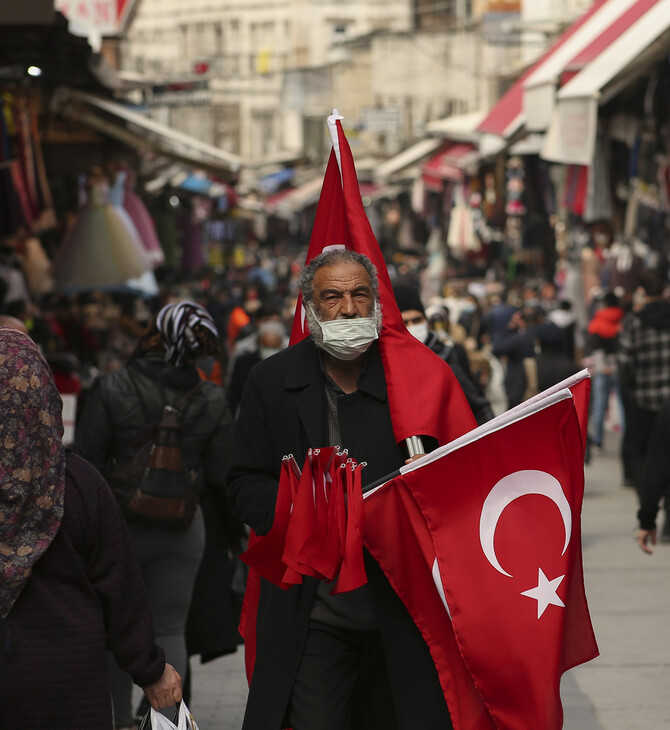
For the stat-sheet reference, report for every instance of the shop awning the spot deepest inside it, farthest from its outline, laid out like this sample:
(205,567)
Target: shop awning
(272,182)
(508,116)
(606,21)
(638,45)
(135,129)
(457,127)
(450,164)
(406,158)
(287,203)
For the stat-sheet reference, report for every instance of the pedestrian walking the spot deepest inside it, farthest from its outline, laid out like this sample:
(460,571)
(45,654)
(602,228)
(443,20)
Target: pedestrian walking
(70,585)
(355,659)
(644,365)
(120,406)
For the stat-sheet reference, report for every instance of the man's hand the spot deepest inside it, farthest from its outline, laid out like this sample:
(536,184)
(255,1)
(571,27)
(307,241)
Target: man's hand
(644,537)
(413,458)
(166,691)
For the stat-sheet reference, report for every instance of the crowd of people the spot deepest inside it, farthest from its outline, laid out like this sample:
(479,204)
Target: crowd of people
(222,340)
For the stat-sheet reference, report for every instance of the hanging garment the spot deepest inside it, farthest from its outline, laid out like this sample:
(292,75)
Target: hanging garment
(24,148)
(143,223)
(36,267)
(102,248)
(192,255)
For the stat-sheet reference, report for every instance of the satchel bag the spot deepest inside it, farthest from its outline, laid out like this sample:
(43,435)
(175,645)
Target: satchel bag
(152,482)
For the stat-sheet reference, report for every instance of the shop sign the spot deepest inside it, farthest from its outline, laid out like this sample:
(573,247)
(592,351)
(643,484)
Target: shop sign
(381,121)
(103,17)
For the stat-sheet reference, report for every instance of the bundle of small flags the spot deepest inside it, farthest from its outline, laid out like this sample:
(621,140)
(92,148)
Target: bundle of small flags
(318,524)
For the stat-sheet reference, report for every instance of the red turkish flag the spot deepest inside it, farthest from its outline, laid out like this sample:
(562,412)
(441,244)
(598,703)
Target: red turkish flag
(426,398)
(502,507)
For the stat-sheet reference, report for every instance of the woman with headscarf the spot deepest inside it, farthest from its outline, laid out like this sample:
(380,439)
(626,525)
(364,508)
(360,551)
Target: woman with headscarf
(118,407)
(70,586)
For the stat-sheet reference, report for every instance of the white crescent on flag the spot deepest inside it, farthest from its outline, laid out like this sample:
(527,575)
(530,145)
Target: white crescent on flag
(509,488)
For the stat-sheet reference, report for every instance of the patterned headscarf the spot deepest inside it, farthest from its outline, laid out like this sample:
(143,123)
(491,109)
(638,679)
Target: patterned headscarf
(32,462)
(188,332)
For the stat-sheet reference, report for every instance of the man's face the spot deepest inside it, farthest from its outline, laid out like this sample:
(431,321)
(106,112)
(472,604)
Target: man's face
(412,316)
(342,291)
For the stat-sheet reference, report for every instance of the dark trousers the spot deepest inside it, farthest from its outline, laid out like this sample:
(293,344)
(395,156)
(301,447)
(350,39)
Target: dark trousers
(628,445)
(342,682)
(639,423)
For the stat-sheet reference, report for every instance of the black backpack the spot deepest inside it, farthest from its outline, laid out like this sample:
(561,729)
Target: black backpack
(151,481)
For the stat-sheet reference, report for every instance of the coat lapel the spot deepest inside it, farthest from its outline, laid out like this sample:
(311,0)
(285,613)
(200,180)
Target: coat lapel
(304,377)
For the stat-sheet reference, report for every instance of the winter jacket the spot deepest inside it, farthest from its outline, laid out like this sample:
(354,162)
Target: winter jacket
(644,355)
(114,415)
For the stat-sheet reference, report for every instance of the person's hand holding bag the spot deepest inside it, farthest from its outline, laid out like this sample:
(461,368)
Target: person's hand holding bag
(166,691)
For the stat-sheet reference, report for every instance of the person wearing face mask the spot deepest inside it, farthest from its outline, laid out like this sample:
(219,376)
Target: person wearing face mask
(271,338)
(353,660)
(414,316)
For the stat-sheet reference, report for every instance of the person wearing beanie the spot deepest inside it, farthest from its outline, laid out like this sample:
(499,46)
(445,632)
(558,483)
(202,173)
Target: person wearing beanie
(413,313)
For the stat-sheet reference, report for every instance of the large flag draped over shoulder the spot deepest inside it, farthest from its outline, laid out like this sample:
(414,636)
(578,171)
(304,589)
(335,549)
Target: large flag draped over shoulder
(491,561)
(425,399)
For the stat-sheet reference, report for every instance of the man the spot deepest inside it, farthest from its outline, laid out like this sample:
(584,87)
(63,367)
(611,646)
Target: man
(516,344)
(644,368)
(270,339)
(414,316)
(655,480)
(354,660)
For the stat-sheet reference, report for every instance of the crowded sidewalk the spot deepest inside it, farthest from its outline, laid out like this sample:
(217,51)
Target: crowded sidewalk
(626,688)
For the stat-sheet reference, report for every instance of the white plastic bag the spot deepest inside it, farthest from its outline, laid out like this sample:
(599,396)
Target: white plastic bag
(156,721)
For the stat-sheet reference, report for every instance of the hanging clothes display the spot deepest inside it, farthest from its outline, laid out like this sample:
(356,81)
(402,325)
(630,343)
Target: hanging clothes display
(101,248)
(146,283)
(165,215)
(25,200)
(36,267)
(599,194)
(139,215)
(192,254)
(461,237)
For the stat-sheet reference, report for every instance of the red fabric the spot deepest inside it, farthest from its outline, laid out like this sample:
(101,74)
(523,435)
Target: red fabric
(263,553)
(426,398)
(313,532)
(514,647)
(352,573)
(404,550)
(606,322)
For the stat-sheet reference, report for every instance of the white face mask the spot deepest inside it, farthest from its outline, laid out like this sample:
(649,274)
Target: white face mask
(420,331)
(347,339)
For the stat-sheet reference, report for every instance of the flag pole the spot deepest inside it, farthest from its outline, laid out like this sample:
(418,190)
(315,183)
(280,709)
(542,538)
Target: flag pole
(369,487)
(414,443)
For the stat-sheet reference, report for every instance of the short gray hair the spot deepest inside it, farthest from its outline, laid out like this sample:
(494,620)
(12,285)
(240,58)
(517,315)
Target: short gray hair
(329,258)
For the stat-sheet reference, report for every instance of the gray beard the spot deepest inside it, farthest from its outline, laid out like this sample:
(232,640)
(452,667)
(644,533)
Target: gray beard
(314,326)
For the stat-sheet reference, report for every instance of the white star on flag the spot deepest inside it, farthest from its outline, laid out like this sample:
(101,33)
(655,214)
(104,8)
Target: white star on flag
(545,592)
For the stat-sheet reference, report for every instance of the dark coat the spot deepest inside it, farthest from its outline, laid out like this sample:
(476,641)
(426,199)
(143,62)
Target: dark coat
(113,416)
(456,357)
(283,411)
(85,595)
